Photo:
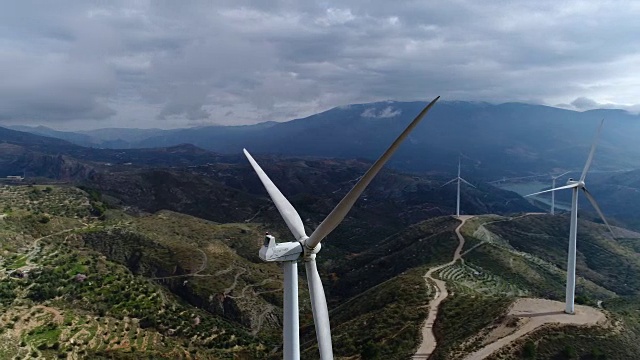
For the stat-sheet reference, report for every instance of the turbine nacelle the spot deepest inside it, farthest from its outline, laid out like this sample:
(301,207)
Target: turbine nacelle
(579,183)
(272,251)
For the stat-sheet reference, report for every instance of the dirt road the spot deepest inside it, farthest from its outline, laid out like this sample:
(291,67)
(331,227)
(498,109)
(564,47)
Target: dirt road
(533,313)
(428,337)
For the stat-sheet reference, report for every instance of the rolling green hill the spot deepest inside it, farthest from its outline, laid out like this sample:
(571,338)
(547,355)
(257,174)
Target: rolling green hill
(129,286)
(106,281)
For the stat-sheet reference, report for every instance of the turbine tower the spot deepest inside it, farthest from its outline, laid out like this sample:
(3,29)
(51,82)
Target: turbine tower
(575,186)
(553,194)
(459,179)
(306,247)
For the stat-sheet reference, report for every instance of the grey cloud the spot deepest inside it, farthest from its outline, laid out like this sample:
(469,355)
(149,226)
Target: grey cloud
(583,103)
(172,64)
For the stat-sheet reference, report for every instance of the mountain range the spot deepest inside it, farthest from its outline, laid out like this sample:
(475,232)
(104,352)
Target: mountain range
(499,140)
(496,141)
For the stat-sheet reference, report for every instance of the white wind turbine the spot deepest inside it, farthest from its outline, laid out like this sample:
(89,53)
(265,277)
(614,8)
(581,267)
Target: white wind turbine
(459,179)
(553,194)
(306,247)
(575,186)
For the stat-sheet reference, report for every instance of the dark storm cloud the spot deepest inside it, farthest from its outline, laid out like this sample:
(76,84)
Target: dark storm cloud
(168,64)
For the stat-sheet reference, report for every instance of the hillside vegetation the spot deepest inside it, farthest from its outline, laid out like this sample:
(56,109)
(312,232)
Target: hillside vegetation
(77,285)
(84,279)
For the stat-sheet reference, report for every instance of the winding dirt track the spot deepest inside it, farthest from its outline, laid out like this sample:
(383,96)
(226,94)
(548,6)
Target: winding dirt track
(428,337)
(533,313)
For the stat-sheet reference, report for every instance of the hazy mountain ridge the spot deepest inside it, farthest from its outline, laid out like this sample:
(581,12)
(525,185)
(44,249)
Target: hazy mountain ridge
(510,138)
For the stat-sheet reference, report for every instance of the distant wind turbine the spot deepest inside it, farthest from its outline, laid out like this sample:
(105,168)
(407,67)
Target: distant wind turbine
(306,247)
(459,179)
(575,186)
(553,194)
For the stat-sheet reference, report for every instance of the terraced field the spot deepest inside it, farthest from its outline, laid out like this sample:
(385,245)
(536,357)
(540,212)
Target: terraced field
(464,278)
(60,298)
(48,332)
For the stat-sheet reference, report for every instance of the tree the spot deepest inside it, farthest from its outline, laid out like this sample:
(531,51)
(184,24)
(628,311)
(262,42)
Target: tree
(569,352)
(597,354)
(370,351)
(529,350)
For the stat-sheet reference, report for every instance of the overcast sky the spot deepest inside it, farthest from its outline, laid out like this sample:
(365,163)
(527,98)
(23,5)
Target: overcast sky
(91,64)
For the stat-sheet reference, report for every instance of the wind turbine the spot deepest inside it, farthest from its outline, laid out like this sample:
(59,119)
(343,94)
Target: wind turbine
(306,247)
(459,179)
(553,194)
(575,186)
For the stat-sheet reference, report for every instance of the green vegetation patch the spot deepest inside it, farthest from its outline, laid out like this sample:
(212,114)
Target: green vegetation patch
(17,261)
(600,259)
(538,279)
(430,242)
(45,336)
(7,292)
(462,316)
(383,322)
(572,342)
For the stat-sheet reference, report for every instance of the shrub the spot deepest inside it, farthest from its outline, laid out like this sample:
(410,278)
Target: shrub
(529,350)
(569,352)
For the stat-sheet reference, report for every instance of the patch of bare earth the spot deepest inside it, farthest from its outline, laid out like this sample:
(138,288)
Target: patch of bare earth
(527,315)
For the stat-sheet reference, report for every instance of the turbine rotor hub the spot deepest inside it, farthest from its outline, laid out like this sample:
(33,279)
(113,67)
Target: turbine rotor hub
(310,253)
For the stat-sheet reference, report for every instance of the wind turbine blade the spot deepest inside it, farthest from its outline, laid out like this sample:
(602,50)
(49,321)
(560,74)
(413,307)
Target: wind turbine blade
(595,206)
(319,309)
(571,186)
(340,211)
(561,175)
(466,182)
(287,211)
(593,150)
(449,182)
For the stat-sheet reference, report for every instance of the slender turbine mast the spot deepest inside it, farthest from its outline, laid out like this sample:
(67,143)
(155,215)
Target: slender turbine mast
(306,247)
(458,179)
(575,186)
(553,194)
